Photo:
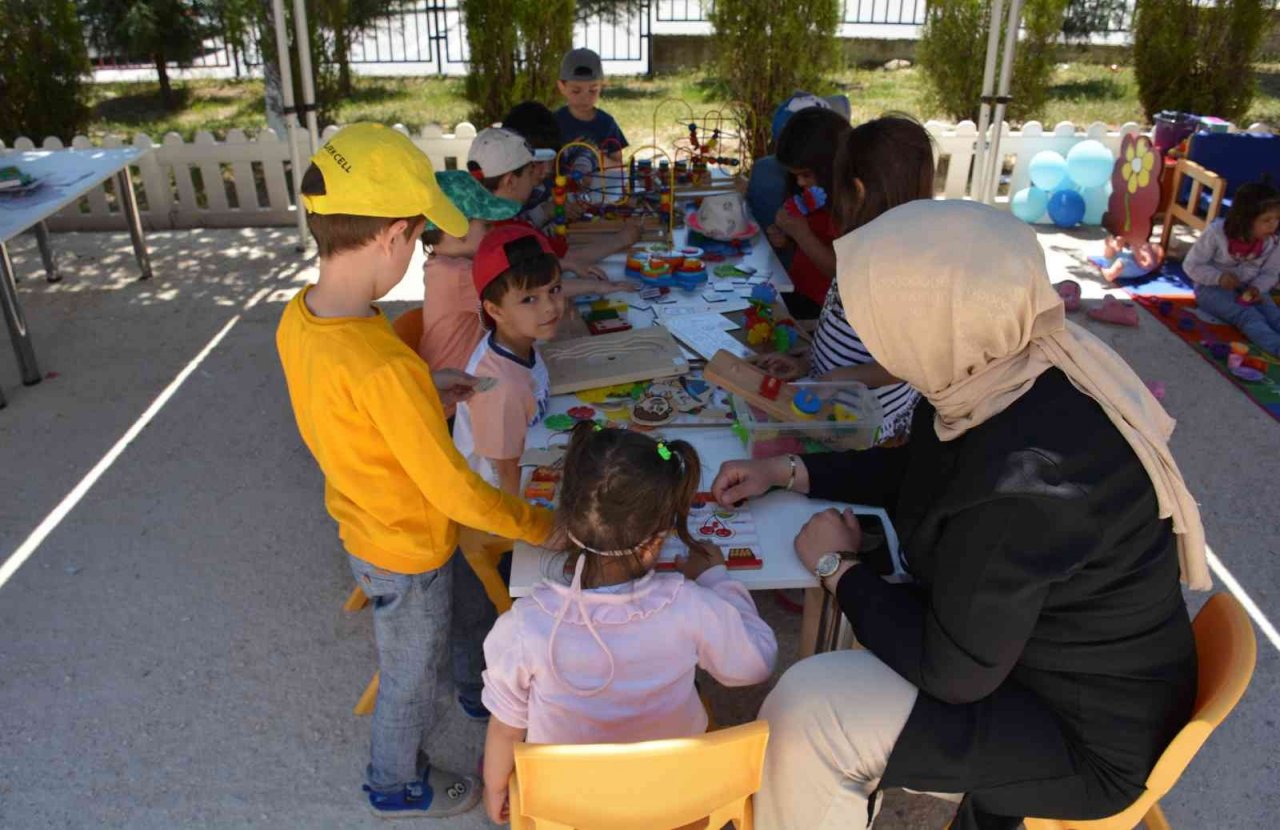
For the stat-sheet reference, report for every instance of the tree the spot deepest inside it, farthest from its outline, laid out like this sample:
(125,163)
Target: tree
(157,31)
(1089,17)
(1198,59)
(340,22)
(952,53)
(515,51)
(42,78)
(765,55)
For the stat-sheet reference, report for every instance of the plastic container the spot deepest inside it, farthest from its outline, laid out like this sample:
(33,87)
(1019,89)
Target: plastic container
(1170,128)
(849,419)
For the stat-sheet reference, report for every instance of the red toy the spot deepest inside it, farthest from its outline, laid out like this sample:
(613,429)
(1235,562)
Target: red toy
(770,387)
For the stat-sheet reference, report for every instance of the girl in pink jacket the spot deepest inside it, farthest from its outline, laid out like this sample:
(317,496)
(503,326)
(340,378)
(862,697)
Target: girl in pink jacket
(610,657)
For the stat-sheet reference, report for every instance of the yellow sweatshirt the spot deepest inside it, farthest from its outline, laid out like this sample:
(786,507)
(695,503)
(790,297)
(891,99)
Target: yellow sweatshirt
(369,413)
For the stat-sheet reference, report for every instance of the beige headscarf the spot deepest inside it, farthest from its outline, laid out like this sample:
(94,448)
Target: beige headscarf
(954,298)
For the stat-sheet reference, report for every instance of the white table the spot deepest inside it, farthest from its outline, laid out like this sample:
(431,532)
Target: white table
(778,515)
(65,176)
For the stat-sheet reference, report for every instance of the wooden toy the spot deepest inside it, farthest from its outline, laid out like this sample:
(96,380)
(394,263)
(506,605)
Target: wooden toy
(653,411)
(607,326)
(540,490)
(731,527)
(736,375)
(592,362)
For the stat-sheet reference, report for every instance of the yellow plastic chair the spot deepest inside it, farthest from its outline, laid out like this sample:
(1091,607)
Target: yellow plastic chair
(701,782)
(1227,651)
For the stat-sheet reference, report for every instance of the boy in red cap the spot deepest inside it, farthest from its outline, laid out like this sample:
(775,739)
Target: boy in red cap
(517,278)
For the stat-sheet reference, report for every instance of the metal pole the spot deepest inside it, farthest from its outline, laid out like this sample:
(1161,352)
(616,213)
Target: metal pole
(18,331)
(51,273)
(828,634)
(984,110)
(304,68)
(1002,99)
(130,202)
(290,117)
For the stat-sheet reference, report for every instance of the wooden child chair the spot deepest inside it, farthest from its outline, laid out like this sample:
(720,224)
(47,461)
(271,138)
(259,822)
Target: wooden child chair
(704,782)
(1227,651)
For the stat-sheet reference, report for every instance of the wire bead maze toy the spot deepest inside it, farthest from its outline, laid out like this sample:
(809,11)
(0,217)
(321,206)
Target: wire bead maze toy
(615,194)
(714,141)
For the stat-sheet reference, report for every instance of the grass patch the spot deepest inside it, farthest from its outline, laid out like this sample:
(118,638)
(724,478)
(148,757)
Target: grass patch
(1082,93)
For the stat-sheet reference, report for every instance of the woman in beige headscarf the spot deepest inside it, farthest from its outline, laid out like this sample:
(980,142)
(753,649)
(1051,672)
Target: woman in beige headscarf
(1043,656)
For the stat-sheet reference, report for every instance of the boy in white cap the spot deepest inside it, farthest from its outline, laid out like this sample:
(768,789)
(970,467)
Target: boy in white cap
(508,167)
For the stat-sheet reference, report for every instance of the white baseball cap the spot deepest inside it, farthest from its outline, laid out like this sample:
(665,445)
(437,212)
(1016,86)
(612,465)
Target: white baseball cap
(496,152)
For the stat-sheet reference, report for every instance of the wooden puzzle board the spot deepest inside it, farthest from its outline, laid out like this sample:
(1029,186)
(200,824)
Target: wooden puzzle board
(611,359)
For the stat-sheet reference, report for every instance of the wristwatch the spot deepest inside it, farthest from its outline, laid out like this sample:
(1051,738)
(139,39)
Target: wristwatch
(829,563)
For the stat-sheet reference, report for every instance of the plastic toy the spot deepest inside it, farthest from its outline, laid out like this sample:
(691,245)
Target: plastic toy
(807,201)
(806,403)
(843,413)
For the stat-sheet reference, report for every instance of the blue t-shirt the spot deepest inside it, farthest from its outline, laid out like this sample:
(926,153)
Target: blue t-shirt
(601,131)
(766,191)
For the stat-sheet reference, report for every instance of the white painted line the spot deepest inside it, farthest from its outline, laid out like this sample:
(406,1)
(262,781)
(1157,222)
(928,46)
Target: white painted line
(24,551)
(1259,618)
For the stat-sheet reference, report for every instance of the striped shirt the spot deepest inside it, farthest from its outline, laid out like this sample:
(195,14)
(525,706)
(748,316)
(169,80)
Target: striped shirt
(836,345)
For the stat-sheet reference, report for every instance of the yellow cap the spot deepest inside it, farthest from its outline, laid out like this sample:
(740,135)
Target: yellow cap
(372,170)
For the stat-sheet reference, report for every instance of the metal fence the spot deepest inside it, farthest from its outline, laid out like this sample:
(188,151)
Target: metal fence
(901,12)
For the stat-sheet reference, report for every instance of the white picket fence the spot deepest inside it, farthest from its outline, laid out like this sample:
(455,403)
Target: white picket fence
(175,192)
(173,182)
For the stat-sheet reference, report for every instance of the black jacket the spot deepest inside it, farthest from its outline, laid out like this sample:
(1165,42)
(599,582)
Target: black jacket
(1046,628)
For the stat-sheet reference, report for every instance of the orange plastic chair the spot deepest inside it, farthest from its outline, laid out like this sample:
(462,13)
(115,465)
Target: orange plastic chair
(481,550)
(1227,651)
(409,327)
(704,782)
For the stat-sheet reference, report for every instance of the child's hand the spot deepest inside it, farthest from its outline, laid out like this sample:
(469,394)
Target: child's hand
(789,223)
(1228,281)
(574,209)
(497,804)
(776,237)
(702,557)
(631,232)
(782,365)
(454,386)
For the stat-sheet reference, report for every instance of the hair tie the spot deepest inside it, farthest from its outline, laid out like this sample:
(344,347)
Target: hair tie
(579,543)
(666,454)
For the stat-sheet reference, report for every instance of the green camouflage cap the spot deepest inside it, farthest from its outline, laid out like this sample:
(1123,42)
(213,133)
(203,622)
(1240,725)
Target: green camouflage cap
(472,199)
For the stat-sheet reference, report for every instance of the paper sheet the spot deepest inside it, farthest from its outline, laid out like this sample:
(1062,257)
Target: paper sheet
(703,334)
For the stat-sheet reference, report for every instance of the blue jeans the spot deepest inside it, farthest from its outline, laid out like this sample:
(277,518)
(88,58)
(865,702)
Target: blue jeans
(416,619)
(1260,322)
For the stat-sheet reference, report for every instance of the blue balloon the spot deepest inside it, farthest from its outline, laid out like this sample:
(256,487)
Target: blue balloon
(1095,203)
(1066,208)
(1047,169)
(1089,164)
(1029,204)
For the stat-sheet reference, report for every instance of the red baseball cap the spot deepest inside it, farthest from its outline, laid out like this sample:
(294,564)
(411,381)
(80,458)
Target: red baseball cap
(503,247)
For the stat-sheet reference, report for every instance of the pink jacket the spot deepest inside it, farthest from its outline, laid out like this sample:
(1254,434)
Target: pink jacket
(606,666)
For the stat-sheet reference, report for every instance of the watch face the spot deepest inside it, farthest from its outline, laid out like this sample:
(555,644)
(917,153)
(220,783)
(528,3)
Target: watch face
(827,565)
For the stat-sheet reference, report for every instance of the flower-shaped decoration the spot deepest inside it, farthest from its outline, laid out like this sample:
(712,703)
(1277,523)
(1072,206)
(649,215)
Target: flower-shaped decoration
(1139,160)
(1135,190)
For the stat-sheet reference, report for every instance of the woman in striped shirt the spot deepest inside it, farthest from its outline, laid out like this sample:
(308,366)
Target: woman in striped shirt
(883,163)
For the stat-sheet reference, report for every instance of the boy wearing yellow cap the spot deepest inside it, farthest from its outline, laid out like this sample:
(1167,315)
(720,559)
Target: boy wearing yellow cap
(372,413)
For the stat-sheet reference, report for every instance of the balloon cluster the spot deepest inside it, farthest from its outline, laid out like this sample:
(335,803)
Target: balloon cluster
(1072,190)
